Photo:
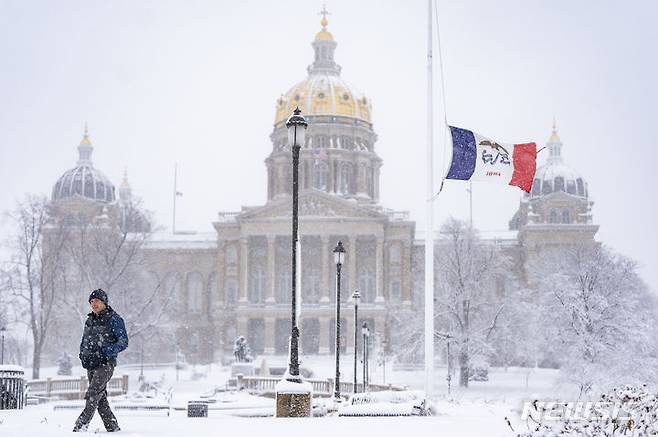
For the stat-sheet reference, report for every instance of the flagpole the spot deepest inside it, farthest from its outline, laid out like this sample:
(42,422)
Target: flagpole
(429,219)
(173,221)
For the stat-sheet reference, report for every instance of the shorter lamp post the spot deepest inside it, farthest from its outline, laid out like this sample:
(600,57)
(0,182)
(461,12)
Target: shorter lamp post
(339,259)
(366,334)
(356,296)
(2,354)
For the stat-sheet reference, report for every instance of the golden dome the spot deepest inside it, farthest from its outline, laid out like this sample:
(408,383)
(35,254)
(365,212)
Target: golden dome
(323,94)
(324,35)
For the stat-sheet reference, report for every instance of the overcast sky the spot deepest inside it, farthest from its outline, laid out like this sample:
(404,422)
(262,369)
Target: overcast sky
(195,82)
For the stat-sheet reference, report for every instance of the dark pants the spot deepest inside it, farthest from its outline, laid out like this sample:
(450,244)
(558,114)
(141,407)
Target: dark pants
(96,397)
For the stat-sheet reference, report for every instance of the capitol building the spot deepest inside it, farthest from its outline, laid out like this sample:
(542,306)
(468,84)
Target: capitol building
(237,279)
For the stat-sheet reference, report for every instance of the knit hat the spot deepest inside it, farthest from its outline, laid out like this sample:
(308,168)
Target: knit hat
(98,294)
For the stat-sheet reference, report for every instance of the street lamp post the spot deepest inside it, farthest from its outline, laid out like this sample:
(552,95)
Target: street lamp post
(296,125)
(356,296)
(339,259)
(2,354)
(366,333)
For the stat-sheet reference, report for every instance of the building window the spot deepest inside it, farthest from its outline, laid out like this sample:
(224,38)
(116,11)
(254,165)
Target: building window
(231,290)
(257,284)
(394,253)
(320,176)
(256,335)
(367,285)
(311,337)
(194,292)
(213,290)
(345,177)
(566,216)
(581,187)
(311,285)
(571,186)
(552,217)
(371,183)
(559,183)
(396,291)
(546,187)
(231,256)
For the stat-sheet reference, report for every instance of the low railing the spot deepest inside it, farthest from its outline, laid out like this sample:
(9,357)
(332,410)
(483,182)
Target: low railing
(73,388)
(321,387)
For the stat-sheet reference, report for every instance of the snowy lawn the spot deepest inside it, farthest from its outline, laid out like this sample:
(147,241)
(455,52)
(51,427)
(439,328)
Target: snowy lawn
(476,411)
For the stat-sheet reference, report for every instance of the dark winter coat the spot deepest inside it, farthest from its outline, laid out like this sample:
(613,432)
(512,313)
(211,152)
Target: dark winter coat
(103,338)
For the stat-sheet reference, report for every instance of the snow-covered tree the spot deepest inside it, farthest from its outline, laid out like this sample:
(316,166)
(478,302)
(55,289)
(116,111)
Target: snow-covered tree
(33,275)
(600,315)
(64,364)
(468,270)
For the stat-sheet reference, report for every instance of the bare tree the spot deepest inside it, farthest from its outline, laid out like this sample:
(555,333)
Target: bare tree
(33,272)
(106,250)
(468,309)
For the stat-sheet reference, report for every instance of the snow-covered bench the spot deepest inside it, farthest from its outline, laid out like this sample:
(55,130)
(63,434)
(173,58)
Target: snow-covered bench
(385,403)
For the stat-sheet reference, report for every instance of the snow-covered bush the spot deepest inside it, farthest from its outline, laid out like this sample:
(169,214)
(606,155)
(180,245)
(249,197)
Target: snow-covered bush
(64,364)
(629,411)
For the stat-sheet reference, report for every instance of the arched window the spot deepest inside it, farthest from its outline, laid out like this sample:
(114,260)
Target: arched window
(566,216)
(546,187)
(559,183)
(194,292)
(320,176)
(552,216)
(345,177)
(231,255)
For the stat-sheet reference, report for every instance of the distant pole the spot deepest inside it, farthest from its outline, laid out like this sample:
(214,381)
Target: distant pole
(2,354)
(429,212)
(173,221)
(356,296)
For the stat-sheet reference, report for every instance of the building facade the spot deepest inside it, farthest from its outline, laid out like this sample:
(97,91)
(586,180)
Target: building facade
(237,279)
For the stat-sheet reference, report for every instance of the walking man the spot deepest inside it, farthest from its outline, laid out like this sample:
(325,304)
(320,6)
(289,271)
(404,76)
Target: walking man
(103,338)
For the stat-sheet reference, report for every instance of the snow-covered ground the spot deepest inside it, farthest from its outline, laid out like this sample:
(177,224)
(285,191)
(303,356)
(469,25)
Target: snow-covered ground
(477,411)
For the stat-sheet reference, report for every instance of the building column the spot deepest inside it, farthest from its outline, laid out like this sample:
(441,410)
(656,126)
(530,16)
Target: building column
(271,259)
(351,262)
(406,292)
(269,335)
(244,269)
(379,270)
(326,282)
(325,347)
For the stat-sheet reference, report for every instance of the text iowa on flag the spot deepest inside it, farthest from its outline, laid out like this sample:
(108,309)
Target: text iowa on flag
(475,157)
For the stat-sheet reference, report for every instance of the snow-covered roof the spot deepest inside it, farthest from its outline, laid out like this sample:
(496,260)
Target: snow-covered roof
(501,236)
(182,240)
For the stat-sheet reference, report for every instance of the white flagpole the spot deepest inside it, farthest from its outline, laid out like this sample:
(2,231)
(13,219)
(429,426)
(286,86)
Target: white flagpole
(173,221)
(429,232)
